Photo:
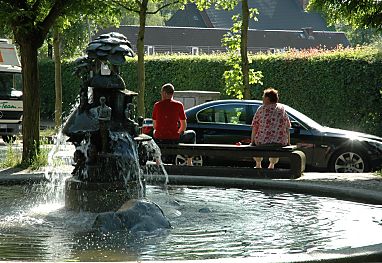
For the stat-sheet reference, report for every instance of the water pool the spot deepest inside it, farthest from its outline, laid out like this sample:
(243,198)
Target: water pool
(207,223)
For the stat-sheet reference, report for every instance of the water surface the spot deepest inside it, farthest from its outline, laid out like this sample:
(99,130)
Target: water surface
(207,223)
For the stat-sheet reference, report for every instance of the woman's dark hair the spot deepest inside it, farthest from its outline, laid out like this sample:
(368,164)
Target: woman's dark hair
(272,94)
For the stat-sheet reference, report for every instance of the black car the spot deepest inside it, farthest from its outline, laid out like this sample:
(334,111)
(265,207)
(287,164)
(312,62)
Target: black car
(326,149)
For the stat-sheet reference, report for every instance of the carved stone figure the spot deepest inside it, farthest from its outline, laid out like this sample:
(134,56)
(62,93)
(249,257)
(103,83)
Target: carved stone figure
(103,111)
(129,112)
(104,116)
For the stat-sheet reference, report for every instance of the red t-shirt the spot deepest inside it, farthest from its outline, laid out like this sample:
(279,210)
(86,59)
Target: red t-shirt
(166,114)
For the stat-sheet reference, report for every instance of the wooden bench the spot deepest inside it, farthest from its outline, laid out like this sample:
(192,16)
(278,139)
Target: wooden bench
(296,157)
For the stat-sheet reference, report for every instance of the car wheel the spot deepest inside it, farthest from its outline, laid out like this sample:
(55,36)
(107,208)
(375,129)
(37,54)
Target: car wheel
(9,138)
(182,160)
(349,162)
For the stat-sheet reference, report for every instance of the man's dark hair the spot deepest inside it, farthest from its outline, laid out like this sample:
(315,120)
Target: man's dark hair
(272,94)
(168,88)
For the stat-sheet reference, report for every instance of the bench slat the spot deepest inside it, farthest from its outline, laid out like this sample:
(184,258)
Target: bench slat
(296,157)
(228,147)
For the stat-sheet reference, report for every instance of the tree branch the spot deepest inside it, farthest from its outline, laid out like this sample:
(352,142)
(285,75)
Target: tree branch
(57,9)
(6,6)
(139,4)
(128,8)
(7,2)
(16,4)
(160,8)
(35,6)
(34,10)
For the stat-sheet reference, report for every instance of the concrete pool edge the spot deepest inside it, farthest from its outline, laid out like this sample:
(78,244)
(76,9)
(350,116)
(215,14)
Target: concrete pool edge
(22,178)
(314,188)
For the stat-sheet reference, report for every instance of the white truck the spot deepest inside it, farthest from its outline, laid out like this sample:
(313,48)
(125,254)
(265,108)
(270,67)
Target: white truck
(11,101)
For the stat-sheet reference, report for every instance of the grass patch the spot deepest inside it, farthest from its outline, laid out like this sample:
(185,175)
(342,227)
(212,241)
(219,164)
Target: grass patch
(13,157)
(47,132)
(41,158)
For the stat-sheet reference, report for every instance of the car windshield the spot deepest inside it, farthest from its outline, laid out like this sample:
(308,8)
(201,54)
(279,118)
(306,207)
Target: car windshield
(10,85)
(302,117)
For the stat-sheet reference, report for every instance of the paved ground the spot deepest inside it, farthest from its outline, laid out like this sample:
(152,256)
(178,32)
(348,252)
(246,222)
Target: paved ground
(366,187)
(368,181)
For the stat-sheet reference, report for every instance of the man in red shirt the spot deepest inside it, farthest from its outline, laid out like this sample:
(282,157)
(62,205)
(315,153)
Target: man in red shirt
(169,120)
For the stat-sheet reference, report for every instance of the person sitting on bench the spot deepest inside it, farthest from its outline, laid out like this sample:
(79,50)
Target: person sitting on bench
(169,120)
(270,125)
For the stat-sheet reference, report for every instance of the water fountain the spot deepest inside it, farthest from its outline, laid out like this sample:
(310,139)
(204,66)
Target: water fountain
(109,151)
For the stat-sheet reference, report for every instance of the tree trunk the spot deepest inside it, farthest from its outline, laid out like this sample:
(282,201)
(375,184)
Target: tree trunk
(57,78)
(244,48)
(31,101)
(141,58)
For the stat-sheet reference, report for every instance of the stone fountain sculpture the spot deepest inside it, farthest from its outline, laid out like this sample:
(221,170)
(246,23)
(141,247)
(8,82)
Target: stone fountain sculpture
(109,149)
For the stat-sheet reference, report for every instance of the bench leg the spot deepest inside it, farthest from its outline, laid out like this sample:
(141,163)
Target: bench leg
(297,164)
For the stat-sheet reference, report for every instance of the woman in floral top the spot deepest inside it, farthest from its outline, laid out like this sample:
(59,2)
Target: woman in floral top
(270,125)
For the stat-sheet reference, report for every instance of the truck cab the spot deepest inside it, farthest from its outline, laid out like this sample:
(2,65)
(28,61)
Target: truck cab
(11,101)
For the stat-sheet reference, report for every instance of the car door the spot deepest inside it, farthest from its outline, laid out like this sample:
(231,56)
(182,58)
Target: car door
(301,135)
(223,124)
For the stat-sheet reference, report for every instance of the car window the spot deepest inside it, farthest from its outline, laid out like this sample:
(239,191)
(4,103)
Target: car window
(229,113)
(295,123)
(303,120)
(254,108)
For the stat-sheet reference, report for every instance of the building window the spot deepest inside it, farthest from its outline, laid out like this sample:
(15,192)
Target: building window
(194,50)
(150,50)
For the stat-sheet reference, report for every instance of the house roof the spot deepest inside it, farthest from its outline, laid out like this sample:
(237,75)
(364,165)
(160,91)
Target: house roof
(273,15)
(199,37)
(190,16)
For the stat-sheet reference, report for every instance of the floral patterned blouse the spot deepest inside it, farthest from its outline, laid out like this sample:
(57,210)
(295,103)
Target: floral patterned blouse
(271,122)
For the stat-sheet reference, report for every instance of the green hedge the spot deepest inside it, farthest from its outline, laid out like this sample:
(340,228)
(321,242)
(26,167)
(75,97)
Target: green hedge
(339,89)
(185,72)
(70,88)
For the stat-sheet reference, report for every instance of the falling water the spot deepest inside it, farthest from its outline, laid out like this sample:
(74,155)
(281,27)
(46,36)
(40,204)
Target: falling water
(124,148)
(58,170)
(156,156)
(60,164)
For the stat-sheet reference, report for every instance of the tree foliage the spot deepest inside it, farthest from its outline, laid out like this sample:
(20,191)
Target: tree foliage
(360,36)
(157,19)
(71,33)
(30,22)
(5,32)
(239,77)
(234,76)
(142,8)
(77,29)
(356,13)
